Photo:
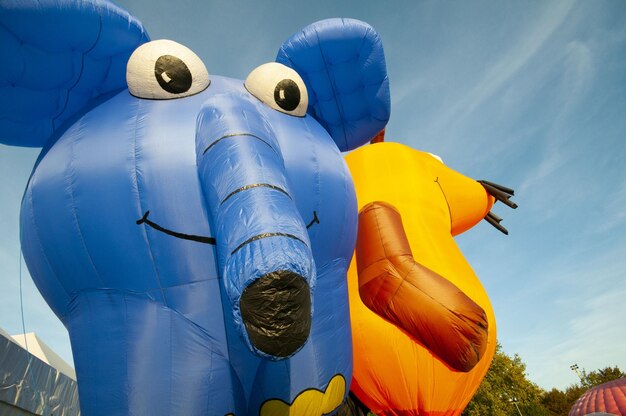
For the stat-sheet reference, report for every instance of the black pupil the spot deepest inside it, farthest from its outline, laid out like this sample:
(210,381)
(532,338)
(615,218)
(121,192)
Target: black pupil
(287,95)
(172,74)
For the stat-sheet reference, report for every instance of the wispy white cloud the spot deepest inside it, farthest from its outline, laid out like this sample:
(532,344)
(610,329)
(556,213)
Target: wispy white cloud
(612,211)
(595,331)
(552,177)
(578,317)
(500,72)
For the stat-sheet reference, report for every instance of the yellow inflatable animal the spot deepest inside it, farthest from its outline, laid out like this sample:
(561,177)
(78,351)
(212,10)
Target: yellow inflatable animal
(423,328)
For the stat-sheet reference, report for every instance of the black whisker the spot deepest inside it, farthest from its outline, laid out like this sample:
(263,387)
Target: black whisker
(495,221)
(503,188)
(499,194)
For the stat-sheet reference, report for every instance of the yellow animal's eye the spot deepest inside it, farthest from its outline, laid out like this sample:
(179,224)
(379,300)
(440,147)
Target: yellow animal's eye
(280,87)
(436,157)
(163,69)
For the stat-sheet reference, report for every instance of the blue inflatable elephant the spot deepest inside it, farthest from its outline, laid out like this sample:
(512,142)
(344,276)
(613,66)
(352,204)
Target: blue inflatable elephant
(192,232)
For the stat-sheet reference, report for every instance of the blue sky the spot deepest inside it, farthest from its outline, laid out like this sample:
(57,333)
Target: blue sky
(529,94)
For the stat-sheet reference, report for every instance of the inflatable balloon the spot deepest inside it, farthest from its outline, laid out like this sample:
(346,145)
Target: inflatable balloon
(423,328)
(608,399)
(191,231)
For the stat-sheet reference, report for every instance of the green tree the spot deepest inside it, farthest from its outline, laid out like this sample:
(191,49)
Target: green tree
(597,377)
(505,389)
(559,403)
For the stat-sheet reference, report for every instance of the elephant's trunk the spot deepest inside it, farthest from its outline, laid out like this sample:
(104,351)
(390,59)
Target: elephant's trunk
(263,247)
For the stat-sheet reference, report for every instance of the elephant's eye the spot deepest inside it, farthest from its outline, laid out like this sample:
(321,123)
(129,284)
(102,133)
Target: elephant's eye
(163,69)
(280,87)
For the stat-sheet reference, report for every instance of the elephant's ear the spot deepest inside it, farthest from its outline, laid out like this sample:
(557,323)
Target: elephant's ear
(343,66)
(59,57)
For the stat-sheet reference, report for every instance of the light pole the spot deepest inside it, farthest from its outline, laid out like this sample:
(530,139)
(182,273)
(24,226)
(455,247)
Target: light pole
(574,367)
(514,401)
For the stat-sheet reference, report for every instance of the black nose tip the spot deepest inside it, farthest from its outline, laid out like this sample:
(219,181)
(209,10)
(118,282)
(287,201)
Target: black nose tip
(276,311)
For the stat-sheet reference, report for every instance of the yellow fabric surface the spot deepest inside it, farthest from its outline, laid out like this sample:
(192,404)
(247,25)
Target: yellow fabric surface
(393,373)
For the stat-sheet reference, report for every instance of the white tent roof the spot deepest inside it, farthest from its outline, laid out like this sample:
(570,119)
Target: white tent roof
(40,350)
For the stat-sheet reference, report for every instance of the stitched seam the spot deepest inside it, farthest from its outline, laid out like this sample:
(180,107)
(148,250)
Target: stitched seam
(80,74)
(71,183)
(266,235)
(333,85)
(228,136)
(45,256)
(255,185)
(138,189)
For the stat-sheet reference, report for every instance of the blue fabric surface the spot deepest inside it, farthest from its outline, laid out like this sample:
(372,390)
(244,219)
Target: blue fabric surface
(343,66)
(128,196)
(59,55)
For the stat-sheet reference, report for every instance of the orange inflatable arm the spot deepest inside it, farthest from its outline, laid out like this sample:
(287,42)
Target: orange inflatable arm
(429,307)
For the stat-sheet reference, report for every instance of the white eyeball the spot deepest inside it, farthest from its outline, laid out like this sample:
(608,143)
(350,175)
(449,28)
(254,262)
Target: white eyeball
(436,157)
(280,87)
(163,69)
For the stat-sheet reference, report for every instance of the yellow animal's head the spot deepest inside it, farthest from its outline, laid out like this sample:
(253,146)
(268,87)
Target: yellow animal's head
(421,183)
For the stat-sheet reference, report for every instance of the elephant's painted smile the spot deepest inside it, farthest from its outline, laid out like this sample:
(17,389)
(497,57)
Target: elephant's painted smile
(199,238)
